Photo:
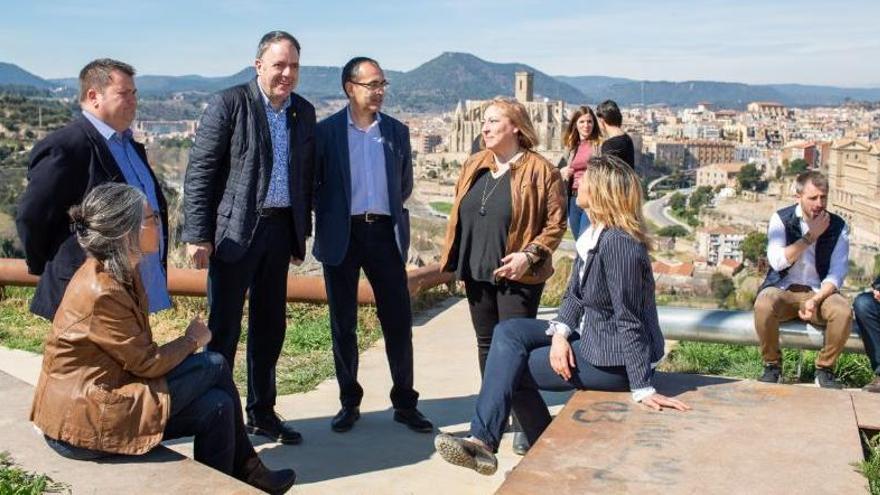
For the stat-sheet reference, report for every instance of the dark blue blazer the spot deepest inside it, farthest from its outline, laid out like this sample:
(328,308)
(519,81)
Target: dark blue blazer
(333,185)
(616,299)
(63,167)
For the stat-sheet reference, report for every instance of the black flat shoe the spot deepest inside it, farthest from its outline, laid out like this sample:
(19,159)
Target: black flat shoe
(413,419)
(262,478)
(272,427)
(345,418)
(520,443)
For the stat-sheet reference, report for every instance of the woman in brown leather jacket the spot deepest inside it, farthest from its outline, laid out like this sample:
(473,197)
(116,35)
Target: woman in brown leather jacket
(507,219)
(106,387)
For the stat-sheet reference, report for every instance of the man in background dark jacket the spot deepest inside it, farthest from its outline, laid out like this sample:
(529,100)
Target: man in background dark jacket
(247,208)
(95,148)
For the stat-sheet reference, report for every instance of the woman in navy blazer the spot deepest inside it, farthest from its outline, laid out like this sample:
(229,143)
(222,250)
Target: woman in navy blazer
(606,335)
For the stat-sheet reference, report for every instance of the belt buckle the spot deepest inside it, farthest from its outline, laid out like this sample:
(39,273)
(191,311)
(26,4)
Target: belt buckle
(369,217)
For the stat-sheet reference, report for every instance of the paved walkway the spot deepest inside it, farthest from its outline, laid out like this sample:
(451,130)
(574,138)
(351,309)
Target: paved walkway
(378,455)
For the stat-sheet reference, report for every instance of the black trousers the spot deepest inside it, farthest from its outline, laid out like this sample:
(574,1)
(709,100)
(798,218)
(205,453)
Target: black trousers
(373,247)
(491,304)
(263,272)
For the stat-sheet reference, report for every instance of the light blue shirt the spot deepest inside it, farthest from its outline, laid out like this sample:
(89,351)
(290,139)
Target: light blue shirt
(136,174)
(278,195)
(369,180)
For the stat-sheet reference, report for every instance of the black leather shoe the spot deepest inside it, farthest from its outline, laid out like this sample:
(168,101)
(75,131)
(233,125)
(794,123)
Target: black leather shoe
(520,443)
(271,426)
(414,420)
(345,418)
(256,474)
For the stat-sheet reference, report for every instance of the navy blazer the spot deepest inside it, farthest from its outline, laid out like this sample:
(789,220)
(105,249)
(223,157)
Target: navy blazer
(616,297)
(333,185)
(63,167)
(230,167)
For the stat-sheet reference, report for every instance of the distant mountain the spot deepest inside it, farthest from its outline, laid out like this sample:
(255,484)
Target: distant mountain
(441,82)
(13,75)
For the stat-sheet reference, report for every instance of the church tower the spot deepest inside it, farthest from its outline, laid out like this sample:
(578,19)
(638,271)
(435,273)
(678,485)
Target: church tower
(524,86)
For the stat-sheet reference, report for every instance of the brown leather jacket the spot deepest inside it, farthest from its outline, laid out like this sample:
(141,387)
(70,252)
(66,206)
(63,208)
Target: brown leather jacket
(102,384)
(538,217)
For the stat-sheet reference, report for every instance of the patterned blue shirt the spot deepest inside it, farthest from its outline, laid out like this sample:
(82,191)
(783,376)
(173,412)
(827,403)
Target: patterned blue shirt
(136,174)
(278,195)
(369,180)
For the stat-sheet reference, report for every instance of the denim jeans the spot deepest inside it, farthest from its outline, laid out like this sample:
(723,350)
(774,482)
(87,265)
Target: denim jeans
(205,404)
(867,313)
(578,220)
(517,370)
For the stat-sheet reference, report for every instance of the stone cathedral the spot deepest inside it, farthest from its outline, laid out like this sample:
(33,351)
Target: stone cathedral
(548,117)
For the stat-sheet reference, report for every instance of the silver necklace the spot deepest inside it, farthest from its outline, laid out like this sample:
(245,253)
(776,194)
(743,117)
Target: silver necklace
(485,197)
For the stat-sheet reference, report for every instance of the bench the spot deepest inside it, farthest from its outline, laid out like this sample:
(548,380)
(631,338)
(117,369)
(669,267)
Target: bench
(742,436)
(162,471)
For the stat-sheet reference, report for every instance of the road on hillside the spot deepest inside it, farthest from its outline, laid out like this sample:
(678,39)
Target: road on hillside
(656,211)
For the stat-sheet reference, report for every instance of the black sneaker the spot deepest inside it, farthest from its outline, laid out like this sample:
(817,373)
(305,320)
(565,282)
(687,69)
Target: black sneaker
(271,426)
(825,379)
(772,374)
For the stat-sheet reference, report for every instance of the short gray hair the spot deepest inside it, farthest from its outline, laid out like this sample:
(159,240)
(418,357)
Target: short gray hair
(275,37)
(96,74)
(107,226)
(818,179)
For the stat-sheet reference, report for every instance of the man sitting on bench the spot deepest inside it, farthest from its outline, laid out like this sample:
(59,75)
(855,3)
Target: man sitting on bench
(808,251)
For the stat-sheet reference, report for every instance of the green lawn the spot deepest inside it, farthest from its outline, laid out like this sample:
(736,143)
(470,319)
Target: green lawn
(442,206)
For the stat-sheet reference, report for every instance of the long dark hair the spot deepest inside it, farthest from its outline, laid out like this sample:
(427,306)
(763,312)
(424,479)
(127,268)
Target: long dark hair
(572,137)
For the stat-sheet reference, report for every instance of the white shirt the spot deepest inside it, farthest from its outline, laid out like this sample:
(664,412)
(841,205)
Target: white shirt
(803,270)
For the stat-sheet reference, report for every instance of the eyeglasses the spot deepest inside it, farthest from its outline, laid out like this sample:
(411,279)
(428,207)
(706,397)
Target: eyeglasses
(372,86)
(150,220)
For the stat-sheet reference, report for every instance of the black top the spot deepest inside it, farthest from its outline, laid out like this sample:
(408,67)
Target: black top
(484,219)
(622,147)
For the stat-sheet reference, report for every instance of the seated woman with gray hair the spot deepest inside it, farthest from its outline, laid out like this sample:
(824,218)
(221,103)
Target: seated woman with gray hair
(106,387)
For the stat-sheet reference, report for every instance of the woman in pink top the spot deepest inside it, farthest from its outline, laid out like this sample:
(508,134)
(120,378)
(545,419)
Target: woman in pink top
(581,138)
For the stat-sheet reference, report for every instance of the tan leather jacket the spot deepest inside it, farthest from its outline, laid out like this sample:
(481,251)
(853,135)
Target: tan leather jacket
(538,216)
(102,384)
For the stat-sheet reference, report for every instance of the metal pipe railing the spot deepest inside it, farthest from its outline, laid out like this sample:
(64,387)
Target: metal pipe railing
(190,282)
(738,327)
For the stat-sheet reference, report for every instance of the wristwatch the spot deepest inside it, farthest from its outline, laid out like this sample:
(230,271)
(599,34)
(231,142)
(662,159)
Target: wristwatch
(808,238)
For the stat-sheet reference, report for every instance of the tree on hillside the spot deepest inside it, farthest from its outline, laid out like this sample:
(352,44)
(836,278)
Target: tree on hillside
(797,166)
(722,286)
(678,202)
(754,247)
(672,231)
(702,196)
(749,178)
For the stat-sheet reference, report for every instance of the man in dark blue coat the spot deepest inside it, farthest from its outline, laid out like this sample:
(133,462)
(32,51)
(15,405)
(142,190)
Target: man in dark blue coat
(364,177)
(247,207)
(97,147)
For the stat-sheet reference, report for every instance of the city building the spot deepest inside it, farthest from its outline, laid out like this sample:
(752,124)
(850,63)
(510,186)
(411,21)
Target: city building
(702,152)
(801,150)
(854,188)
(718,243)
(719,174)
(767,109)
(548,117)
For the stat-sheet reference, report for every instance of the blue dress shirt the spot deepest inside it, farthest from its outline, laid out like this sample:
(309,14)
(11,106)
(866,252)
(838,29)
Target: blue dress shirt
(278,195)
(136,174)
(369,180)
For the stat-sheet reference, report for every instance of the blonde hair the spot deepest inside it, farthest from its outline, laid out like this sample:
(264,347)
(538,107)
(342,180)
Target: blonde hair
(519,117)
(615,196)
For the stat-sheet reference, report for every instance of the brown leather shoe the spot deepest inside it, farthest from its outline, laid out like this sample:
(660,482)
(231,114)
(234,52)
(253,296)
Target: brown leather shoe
(874,386)
(256,474)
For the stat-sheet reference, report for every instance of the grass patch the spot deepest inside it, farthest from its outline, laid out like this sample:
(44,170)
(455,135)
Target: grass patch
(306,355)
(853,370)
(555,286)
(870,467)
(17,481)
(444,207)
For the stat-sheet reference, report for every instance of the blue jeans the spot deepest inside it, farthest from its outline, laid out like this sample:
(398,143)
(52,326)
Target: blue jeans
(205,404)
(578,221)
(867,313)
(518,368)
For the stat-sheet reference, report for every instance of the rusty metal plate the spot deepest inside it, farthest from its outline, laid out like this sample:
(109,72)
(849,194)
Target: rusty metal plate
(740,437)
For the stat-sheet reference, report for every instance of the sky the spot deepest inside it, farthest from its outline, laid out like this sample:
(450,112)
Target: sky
(768,41)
